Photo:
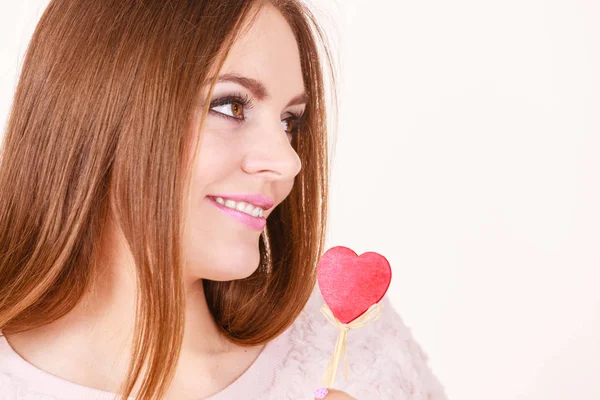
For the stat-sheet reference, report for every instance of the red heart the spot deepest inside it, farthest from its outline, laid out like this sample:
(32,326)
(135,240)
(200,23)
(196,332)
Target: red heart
(350,284)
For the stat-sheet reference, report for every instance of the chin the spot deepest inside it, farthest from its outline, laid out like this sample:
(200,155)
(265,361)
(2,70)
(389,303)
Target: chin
(228,268)
(225,276)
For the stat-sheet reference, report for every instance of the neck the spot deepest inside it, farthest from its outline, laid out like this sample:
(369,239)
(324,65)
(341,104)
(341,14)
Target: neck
(91,344)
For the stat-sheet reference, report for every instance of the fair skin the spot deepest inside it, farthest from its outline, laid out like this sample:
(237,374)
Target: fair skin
(89,345)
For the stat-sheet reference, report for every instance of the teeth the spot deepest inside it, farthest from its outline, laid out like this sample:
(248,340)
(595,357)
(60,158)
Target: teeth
(241,206)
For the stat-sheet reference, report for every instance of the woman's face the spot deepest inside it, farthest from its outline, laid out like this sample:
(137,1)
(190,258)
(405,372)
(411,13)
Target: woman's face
(245,149)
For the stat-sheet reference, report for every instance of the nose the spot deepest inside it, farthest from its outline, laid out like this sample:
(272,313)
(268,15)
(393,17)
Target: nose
(271,153)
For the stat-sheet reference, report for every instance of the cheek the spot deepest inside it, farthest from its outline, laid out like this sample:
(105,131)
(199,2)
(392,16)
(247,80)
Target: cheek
(216,160)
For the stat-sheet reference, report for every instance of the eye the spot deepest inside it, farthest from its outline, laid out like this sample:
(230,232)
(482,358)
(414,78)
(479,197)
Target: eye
(231,107)
(294,124)
(237,109)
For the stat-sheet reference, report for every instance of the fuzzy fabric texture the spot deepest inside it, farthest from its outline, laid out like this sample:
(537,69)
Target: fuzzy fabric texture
(384,363)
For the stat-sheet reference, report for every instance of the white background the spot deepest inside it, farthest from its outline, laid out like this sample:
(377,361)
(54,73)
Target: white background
(468,155)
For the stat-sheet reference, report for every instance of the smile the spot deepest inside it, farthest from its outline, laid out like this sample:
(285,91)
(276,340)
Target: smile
(254,220)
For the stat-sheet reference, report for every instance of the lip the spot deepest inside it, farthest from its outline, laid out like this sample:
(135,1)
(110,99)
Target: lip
(256,199)
(257,223)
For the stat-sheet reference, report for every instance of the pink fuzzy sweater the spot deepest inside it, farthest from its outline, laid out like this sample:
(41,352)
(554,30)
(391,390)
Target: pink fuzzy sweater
(384,363)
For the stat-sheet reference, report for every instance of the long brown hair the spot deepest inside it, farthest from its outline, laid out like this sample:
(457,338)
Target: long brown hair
(99,126)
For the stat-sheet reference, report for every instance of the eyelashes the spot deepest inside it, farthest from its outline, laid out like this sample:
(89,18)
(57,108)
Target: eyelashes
(298,120)
(236,98)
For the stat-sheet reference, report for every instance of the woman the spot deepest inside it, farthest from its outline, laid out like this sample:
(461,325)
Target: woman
(164,176)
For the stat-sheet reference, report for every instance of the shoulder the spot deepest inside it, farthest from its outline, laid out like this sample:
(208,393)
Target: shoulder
(14,389)
(8,388)
(13,382)
(384,360)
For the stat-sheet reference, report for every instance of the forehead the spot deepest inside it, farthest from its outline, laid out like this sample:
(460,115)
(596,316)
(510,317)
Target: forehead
(267,51)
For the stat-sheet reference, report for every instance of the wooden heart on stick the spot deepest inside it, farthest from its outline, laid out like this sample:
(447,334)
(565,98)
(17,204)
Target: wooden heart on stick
(352,287)
(350,284)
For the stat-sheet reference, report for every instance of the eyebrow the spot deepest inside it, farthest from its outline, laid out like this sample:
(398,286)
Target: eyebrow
(258,89)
